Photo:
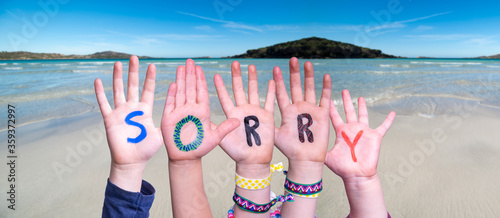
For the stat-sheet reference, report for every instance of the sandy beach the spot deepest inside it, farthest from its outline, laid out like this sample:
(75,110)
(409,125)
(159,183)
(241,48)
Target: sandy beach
(444,166)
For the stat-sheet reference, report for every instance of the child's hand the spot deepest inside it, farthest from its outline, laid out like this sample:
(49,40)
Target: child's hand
(357,147)
(354,158)
(303,135)
(188,102)
(312,145)
(251,144)
(132,136)
(255,149)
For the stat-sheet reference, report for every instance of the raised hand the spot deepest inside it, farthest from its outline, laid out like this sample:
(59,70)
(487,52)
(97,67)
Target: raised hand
(304,132)
(187,110)
(132,136)
(354,158)
(259,124)
(251,144)
(189,135)
(302,116)
(357,147)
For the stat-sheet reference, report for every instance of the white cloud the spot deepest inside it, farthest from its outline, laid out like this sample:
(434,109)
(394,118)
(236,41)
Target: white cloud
(227,24)
(482,42)
(205,28)
(187,37)
(475,40)
(241,31)
(439,37)
(423,28)
(402,24)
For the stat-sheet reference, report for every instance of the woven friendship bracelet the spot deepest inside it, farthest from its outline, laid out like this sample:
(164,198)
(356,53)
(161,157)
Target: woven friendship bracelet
(309,190)
(256,184)
(252,207)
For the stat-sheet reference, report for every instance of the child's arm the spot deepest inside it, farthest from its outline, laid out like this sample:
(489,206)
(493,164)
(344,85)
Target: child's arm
(355,156)
(132,139)
(189,135)
(251,144)
(303,135)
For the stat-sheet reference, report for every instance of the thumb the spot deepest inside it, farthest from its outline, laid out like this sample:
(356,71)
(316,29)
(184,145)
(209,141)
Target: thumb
(226,127)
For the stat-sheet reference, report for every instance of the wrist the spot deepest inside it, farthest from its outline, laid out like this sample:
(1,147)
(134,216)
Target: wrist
(184,163)
(365,196)
(128,177)
(306,172)
(362,183)
(253,171)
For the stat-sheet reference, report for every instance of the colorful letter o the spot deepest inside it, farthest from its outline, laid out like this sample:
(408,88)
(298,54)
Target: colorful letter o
(199,136)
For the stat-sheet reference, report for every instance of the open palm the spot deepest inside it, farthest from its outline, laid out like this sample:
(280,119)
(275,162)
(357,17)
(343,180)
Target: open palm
(189,96)
(357,147)
(287,135)
(118,128)
(235,144)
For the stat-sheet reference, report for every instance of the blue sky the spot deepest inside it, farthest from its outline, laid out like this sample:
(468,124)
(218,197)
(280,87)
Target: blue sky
(227,27)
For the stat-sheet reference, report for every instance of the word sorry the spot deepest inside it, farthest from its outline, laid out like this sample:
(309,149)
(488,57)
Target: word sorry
(128,121)
(305,128)
(352,144)
(199,136)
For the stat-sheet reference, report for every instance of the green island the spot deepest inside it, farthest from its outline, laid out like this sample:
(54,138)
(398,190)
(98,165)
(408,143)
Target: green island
(307,48)
(24,55)
(314,47)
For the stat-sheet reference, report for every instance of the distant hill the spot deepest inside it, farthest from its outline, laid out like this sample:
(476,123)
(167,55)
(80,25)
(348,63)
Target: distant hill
(314,47)
(23,55)
(490,57)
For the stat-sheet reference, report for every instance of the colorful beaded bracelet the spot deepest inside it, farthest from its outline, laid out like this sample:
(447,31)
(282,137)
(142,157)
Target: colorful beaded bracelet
(250,206)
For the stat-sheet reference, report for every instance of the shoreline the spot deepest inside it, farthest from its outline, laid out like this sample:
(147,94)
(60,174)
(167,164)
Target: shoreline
(408,104)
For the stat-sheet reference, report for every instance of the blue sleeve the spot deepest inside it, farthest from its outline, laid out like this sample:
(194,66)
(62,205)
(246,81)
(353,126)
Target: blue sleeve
(122,203)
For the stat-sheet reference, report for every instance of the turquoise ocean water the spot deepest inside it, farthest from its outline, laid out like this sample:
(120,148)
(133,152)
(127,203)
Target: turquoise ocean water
(47,89)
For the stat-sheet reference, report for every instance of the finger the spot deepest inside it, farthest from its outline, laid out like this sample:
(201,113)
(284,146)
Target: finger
(190,81)
(382,129)
(238,90)
(148,91)
(225,128)
(309,87)
(335,116)
(170,101)
(295,84)
(281,95)
(101,98)
(118,94)
(253,86)
(271,93)
(326,94)
(201,87)
(180,80)
(362,111)
(350,113)
(224,99)
(133,79)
